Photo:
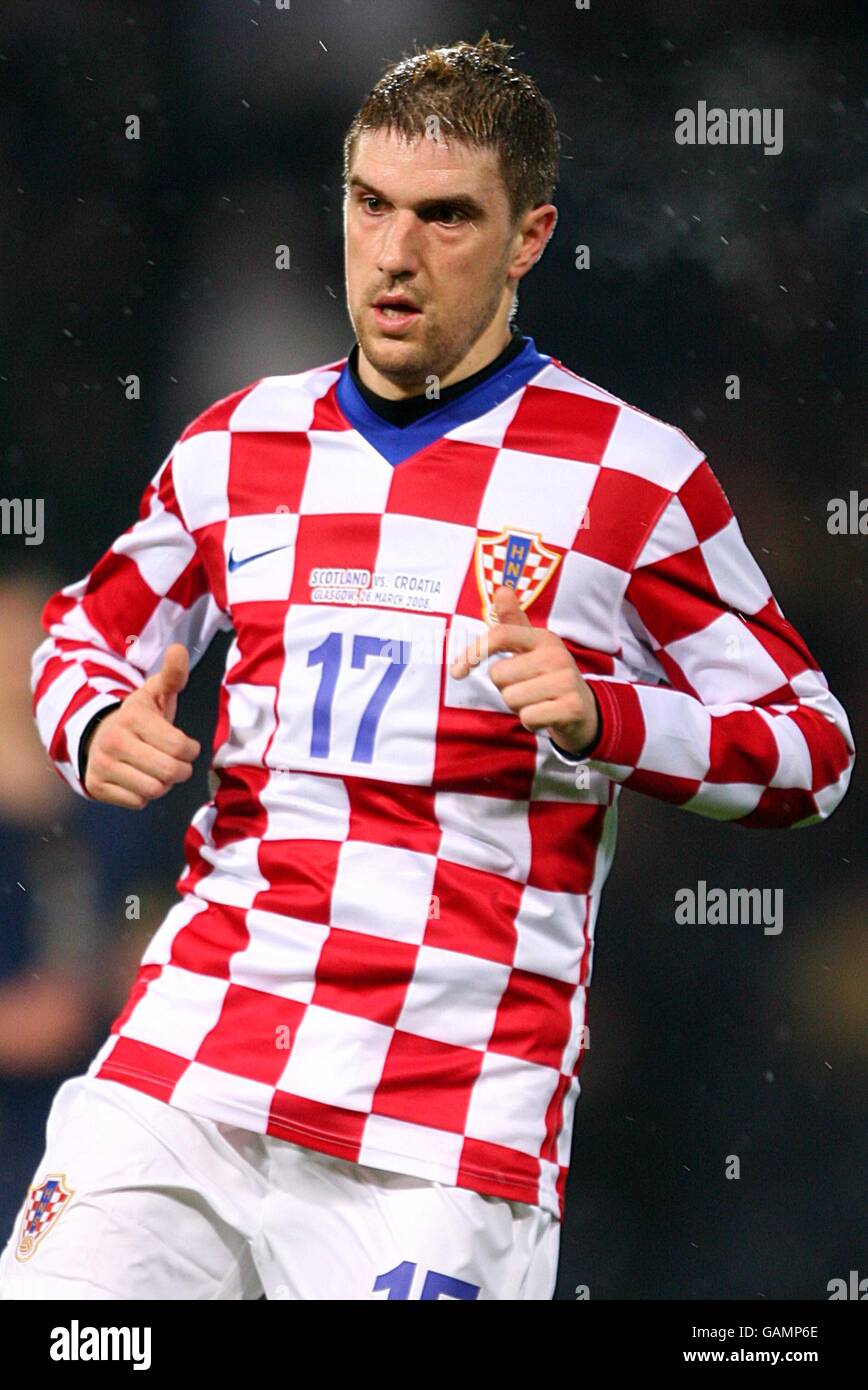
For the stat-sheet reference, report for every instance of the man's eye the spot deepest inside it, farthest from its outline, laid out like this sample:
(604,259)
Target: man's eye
(451,216)
(368,199)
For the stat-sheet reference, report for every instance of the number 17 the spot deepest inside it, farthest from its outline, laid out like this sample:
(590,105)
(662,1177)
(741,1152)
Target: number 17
(329,654)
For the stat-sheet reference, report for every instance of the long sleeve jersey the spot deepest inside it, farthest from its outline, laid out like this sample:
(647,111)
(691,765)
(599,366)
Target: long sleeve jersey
(383,937)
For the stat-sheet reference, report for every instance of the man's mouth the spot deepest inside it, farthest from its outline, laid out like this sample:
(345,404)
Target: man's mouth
(395,311)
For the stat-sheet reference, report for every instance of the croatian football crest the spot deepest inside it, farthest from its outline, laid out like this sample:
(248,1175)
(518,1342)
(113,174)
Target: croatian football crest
(515,558)
(45,1204)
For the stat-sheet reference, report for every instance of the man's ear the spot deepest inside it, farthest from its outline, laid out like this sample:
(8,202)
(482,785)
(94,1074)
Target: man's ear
(532,236)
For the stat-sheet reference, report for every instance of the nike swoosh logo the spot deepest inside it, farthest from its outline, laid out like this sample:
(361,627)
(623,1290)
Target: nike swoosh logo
(248,559)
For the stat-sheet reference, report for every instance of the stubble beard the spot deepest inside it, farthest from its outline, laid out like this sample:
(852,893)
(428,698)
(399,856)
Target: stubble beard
(438,354)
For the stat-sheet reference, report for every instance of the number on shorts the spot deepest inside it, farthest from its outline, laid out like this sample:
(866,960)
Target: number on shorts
(399,1280)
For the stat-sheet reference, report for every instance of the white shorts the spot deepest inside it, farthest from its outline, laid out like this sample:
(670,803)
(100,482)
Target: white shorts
(167,1205)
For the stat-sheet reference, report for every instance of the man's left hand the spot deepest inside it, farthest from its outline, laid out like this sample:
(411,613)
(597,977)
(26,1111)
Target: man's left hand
(541,682)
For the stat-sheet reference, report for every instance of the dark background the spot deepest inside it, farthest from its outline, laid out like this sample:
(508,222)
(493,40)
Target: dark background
(157,257)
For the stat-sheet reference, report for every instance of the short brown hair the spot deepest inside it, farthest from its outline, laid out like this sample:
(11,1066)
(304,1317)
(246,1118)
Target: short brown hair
(478,98)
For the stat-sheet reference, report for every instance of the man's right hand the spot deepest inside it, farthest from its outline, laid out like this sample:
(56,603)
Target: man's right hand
(136,754)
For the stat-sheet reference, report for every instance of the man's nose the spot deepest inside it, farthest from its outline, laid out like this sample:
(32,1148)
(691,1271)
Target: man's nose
(398,252)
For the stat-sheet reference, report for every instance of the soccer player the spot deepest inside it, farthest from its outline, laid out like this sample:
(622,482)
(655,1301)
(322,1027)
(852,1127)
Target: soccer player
(473,596)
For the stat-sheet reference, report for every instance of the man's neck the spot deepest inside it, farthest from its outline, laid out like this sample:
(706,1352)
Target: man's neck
(489,346)
(409,409)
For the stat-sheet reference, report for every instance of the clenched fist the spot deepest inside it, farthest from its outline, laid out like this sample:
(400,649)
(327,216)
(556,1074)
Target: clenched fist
(136,754)
(541,682)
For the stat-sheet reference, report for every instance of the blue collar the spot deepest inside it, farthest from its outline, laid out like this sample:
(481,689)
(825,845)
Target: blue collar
(398,442)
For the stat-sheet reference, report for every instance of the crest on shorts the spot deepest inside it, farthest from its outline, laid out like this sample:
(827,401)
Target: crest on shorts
(45,1203)
(516,558)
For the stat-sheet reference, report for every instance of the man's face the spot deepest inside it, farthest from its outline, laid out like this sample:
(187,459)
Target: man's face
(427,224)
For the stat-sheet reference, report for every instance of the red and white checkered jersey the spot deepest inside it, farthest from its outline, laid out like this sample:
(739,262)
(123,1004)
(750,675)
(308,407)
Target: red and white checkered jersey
(383,940)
